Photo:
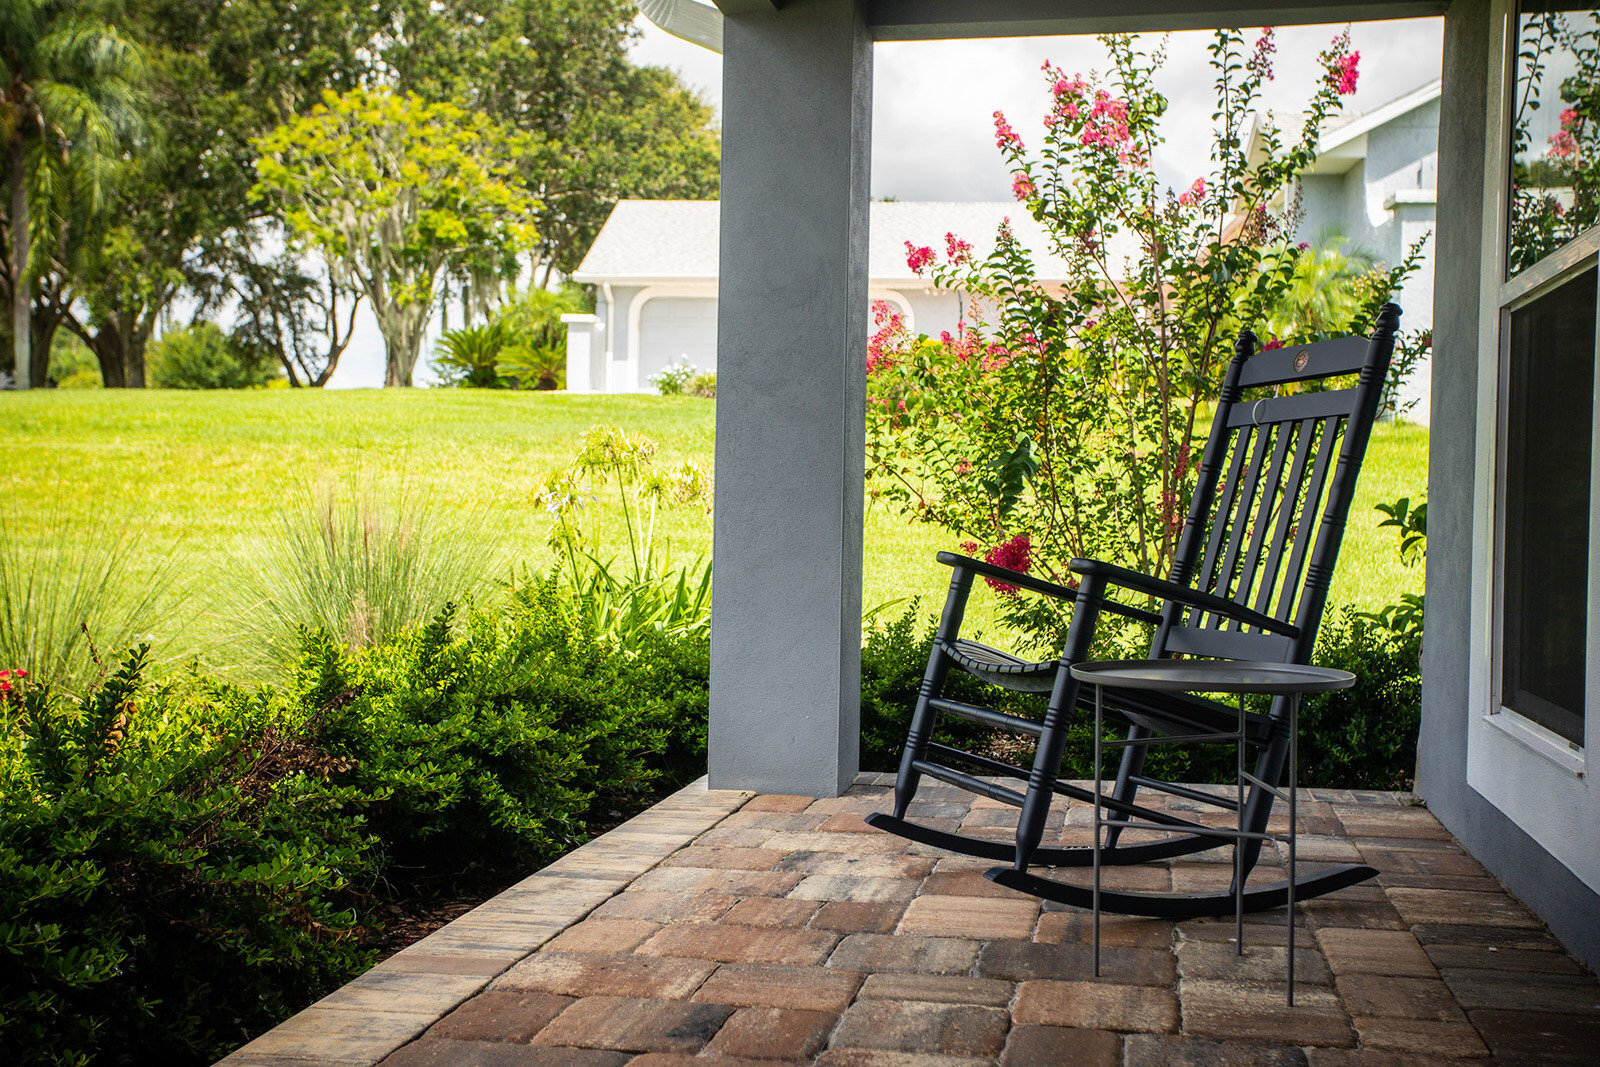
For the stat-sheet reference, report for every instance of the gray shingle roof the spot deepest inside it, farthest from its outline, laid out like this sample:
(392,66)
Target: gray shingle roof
(661,240)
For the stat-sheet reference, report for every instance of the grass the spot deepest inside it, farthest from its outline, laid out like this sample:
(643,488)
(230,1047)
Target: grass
(200,478)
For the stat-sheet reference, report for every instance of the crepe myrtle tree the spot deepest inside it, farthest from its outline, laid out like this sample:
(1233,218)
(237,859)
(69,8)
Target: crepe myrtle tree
(393,191)
(1063,421)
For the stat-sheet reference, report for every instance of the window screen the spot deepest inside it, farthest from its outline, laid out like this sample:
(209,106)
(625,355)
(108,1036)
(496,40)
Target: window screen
(1546,548)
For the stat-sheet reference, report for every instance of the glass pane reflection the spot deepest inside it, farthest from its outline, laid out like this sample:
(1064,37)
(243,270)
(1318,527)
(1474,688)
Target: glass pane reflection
(1555,131)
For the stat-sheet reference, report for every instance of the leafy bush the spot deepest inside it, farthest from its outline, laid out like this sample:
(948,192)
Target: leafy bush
(469,356)
(675,377)
(703,384)
(1364,737)
(177,871)
(203,357)
(524,346)
(72,365)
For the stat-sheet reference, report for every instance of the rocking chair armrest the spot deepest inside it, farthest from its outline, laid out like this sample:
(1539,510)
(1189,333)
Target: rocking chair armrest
(1038,585)
(1165,590)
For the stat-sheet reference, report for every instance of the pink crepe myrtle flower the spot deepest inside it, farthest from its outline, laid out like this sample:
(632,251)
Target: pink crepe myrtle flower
(888,341)
(957,250)
(1344,74)
(1194,194)
(1260,63)
(1004,136)
(918,259)
(1022,186)
(1014,555)
(1570,120)
(1302,246)
(1272,343)
(1107,124)
(1563,144)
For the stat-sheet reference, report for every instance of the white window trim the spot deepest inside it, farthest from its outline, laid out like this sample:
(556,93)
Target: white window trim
(1531,774)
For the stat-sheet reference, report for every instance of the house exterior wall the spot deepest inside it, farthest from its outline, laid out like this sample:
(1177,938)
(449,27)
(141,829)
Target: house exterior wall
(1458,525)
(1384,204)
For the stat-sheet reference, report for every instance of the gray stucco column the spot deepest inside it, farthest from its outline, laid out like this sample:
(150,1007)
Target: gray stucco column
(791,399)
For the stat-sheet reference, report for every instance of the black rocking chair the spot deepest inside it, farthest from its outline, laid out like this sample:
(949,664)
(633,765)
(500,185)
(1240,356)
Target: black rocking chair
(1249,582)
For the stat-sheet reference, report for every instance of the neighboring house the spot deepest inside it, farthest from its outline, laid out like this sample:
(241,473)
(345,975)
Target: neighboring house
(654,268)
(1374,181)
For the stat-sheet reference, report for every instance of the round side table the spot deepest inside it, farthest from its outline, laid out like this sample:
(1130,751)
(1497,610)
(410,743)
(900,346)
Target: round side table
(1240,677)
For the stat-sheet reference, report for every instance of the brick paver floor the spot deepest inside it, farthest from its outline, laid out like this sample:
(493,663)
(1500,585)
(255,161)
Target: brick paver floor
(724,929)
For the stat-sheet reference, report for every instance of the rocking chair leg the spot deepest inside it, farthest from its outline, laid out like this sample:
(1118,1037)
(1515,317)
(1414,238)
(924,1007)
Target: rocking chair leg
(1057,717)
(923,716)
(1132,765)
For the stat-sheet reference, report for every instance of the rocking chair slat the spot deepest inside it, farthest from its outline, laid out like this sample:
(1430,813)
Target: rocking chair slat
(1270,495)
(1238,518)
(1248,582)
(1226,644)
(1275,409)
(987,717)
(1305,433)
(1206,577)
(1325,359)
(1303,532)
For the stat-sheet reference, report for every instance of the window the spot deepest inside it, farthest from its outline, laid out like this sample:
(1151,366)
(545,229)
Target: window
(1549,400)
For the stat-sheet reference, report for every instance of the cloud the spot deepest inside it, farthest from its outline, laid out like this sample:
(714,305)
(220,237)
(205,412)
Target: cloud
(933,134)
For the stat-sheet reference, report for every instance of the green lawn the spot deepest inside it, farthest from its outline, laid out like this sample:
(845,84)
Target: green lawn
(196,476)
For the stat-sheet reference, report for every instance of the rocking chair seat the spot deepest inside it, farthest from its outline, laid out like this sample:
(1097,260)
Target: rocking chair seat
(1001,668)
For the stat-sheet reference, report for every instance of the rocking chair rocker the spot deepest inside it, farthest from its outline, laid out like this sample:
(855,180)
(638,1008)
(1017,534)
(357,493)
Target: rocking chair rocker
(1249,581)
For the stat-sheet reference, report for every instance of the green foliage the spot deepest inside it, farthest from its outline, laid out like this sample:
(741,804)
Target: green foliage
(470,356)
(360,565)
(177,871)
(203,357)
(72,365)
(70,106)
(603,129)
(522,347)
(487,740)
(391,191)
(1403,617)
(682,378)
(643,592)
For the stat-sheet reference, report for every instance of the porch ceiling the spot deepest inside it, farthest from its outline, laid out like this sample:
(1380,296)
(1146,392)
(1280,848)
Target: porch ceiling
(724,928)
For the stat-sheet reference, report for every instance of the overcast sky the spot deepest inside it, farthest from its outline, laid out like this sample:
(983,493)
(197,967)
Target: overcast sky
(933,134)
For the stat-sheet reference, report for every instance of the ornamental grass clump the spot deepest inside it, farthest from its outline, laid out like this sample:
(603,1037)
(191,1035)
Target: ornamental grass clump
(1075,415)
(361,563)
(65,596)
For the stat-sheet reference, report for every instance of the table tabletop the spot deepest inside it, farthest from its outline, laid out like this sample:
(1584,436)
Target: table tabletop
(1212,676)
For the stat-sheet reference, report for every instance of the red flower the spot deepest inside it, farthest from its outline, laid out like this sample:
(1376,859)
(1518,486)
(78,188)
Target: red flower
(1013,555)
(918,259)
(957,250)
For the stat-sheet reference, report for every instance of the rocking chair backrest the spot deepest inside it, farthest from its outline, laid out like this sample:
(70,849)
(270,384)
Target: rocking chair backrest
(1272,494)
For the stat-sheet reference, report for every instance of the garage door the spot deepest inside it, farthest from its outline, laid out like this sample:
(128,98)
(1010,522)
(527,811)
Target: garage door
(677,327)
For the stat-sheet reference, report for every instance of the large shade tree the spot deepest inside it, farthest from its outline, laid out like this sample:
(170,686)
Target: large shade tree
(603,129)
(392,191)
(68,102)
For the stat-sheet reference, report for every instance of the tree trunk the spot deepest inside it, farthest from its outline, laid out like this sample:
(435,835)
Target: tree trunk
(42,327)
(21,291)
(107,346)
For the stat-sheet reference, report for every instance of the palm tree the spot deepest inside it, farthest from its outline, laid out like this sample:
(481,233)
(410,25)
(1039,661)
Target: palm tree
(68,100)
(1323,293)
